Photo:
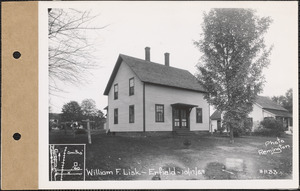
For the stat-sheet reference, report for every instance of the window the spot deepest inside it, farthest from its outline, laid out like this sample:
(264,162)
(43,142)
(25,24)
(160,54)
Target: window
(131,86)
(159,113)
(131,114)
(115,116)
(116,91)
(199,115)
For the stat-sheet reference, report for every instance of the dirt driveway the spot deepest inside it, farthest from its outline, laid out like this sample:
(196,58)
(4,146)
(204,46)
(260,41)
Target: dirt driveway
(191,157)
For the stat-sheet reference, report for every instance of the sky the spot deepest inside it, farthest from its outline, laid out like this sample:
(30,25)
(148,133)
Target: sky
(172,27)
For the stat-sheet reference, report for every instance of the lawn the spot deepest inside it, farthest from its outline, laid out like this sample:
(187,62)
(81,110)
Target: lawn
(166,157)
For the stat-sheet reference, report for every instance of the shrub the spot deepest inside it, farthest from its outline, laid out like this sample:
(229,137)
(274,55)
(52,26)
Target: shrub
(262,131)
(271,127)
(237,132)
(242,127)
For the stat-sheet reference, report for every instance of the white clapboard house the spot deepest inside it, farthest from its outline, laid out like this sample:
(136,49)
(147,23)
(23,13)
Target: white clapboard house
(144,96)
(263,107)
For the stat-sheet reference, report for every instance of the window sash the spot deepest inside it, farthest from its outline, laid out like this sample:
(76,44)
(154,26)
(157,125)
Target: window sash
(131,114)
(131,86)
(199,115)
(159,113)
(116,116)
(116,91)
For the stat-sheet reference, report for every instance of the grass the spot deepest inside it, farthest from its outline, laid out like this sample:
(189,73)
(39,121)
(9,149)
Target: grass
(204,157)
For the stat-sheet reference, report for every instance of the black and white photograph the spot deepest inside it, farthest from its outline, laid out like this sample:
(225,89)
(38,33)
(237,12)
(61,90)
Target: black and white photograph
(170,91)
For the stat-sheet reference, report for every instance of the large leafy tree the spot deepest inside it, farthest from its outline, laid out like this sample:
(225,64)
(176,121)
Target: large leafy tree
(234,56)
(90,111)
(71,112)
(285,101)
(88,107)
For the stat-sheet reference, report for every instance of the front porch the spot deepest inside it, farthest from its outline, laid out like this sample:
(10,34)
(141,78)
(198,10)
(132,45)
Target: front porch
(181,117)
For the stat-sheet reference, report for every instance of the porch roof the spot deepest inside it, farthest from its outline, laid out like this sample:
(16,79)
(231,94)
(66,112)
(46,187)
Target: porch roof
(183,105)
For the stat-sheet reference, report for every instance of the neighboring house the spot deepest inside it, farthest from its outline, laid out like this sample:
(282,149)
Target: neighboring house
(215,118)
(146,96)
(262,108)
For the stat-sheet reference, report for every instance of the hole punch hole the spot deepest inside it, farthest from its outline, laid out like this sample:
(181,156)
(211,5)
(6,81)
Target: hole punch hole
(16,54)
(17,136)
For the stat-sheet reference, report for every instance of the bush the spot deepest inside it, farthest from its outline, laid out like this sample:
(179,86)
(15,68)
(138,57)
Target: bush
(270,127)
(242,128)
(262,131)
(237,132)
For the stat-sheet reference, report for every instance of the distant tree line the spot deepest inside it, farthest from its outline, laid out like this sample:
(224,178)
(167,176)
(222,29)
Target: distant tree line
(73,112)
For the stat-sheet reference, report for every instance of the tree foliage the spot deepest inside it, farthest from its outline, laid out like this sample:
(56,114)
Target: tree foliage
(71,112)
(88,107)
(270,127)
(285,101)
(234,57)
(70,52)
(90,111)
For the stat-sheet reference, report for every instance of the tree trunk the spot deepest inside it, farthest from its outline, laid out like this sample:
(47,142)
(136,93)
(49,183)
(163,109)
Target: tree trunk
(231,134)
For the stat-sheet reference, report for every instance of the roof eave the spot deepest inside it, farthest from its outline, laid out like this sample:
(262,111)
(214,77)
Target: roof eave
(113,75)
(189,89)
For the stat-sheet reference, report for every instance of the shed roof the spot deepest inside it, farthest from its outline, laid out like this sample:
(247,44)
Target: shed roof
(150,72)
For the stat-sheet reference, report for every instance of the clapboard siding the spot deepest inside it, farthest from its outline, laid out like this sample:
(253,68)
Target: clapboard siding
(155,94)
(257,115)
(214,125)
(124,100)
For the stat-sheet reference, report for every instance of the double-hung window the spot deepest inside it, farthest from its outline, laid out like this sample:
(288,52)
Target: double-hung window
(131,114)
(159,113)
(116,91)
(131,86)
(116,113)
(199,115)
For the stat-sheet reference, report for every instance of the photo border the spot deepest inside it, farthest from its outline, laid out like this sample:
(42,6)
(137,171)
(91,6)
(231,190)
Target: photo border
(169,184)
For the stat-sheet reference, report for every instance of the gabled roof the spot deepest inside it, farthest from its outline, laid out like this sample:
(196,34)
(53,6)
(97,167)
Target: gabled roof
(216,115)
(267,103)
(150,72)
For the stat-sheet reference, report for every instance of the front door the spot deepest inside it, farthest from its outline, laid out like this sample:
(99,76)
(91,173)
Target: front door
(180,119)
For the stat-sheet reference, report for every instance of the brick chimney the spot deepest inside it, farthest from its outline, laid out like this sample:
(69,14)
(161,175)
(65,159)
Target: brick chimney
(167,59)
(147,53)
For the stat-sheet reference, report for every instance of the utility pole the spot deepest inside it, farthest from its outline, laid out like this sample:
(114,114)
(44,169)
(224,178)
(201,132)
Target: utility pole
(89,129)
